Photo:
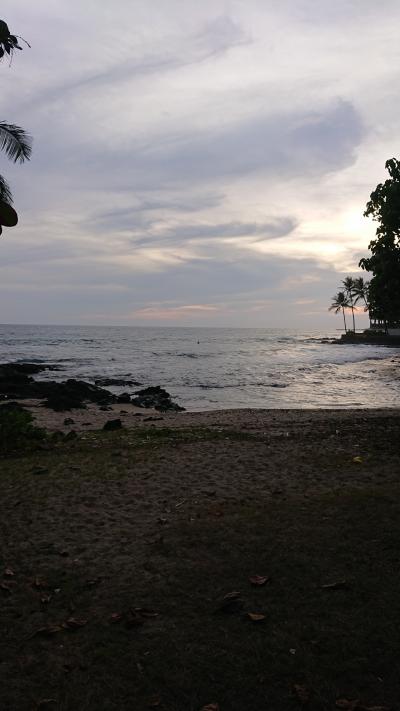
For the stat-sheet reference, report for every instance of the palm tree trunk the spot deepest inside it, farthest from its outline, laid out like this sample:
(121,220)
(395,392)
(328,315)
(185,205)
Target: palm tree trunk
(354,323)
(344,319)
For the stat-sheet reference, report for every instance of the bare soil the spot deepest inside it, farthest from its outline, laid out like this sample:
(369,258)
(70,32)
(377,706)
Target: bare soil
(117,549)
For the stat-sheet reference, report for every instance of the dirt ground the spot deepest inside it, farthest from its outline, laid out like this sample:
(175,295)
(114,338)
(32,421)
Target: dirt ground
(136,535)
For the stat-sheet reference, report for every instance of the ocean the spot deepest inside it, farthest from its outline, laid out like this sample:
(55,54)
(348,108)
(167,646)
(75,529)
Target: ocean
(217,368)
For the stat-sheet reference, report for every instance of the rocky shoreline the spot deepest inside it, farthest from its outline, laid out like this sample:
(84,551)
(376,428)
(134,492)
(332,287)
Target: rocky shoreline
(17,383)
(368,338)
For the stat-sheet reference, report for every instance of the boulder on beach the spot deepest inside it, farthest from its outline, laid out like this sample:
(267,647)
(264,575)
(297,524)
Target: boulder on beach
(157,398)
(73,394)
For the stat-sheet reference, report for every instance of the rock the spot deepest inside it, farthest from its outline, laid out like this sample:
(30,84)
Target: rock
(112,425)
(124,398)
(73,394)
(120,382)
(157,398)
(15,383)
(28,368)
(69,421)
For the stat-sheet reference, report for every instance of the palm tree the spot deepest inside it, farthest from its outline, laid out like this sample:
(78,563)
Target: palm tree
(17,145)
(340,302)
(360,292)
(348,284)
(14,141)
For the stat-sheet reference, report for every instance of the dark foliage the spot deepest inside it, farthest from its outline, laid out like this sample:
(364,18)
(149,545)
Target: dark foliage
(384,262)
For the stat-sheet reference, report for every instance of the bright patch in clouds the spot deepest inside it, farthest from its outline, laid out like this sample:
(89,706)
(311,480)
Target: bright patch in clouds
(196,163)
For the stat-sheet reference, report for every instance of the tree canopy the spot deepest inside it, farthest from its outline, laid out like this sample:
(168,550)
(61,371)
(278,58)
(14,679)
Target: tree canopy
(384,262)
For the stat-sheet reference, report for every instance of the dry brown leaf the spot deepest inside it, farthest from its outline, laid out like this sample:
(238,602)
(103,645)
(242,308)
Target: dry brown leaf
(210,707)
(154,701)
(338,585)
(302,693)
(9,572)
(116,617)
(347,704)
(255,616)
(259,579)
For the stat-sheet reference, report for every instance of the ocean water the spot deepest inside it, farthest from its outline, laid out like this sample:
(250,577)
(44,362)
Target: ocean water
(217,368)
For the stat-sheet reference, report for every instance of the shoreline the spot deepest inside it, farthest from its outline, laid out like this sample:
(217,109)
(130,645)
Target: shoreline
(243,419)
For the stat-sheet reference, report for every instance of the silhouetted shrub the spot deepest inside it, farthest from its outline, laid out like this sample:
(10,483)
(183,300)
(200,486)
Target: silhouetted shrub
(16,428)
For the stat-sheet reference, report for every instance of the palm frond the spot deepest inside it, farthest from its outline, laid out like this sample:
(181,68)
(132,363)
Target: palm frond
(5,191)
(16,143)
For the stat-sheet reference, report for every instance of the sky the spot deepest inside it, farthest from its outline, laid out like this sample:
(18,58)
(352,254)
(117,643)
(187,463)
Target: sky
(195,164)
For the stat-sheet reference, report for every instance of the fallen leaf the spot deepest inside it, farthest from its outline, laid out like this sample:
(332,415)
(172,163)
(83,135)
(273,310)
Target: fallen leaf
(347,704)
(9,572)
(338,585)
(73,623)
(154,701)
(255,616)
(259,579)
(358,460)
(210,707)
(302,693)
(116,617)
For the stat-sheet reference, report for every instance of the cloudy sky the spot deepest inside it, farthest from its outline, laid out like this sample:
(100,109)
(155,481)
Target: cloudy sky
(195,163)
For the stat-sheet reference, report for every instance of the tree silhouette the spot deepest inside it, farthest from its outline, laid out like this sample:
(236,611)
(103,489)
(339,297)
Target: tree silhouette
(348,284)
(384,262)
(14,141)
(340,302)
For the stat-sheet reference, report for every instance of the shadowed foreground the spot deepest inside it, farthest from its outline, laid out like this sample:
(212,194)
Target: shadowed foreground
(117,550)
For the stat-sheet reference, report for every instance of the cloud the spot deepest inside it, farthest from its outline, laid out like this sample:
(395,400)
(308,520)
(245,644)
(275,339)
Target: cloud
(290,144)
(194,154)
(216,37)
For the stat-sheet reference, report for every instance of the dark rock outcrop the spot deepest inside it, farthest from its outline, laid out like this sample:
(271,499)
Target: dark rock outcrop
(16,383)
(73,394)
(124,398)
(157,398)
